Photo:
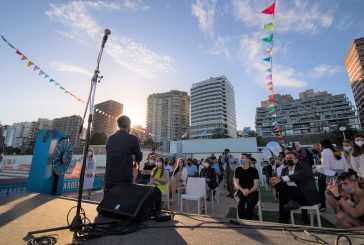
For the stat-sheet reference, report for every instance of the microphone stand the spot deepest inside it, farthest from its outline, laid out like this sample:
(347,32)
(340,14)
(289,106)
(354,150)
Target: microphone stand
(77,223)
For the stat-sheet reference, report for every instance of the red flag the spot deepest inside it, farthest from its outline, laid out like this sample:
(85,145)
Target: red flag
(270,9)
(18,52)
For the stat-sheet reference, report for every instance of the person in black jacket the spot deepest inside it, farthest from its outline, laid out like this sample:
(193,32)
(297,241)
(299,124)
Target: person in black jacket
(119,150)
(305,192)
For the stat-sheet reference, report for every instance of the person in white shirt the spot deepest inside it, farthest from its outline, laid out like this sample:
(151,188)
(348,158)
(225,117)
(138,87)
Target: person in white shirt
(332,164)
(357,160)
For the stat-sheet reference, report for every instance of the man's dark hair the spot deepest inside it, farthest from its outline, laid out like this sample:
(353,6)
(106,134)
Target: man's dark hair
(124,122)
(292,153)
(226,150)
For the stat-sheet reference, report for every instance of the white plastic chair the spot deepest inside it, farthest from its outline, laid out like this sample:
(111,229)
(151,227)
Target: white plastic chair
(179,193)
(195,191)
(311,209)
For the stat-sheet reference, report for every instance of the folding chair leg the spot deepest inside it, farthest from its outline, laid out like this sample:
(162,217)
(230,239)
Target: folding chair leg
(318,217)
(181,208)
(205,206)
(312,220)
(198,207)
(292,217)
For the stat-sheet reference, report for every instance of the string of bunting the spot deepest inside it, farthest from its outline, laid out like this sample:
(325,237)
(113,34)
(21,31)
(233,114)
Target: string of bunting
(40,71)
(271,106)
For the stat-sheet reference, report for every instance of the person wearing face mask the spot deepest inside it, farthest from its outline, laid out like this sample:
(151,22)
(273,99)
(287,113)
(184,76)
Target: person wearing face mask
(120,147)
(357,160)
(159,176)
(306,193)
(179,177)
(147,170)
(332,164)
(89,172)
(209,174)
(246,180)
(348,152)
(192,170)
(348,216)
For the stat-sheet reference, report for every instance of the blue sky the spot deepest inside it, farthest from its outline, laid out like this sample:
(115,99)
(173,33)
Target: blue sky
(157,46)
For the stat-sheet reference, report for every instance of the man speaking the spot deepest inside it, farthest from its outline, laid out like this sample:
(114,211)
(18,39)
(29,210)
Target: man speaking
(119,150)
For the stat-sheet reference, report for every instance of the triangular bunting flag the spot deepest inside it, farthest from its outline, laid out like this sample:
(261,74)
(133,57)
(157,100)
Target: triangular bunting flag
(35,68)
(270,83)
(61,88)
(18,52)
(269,70)
(23,58)
(41,72)
(51,80)
(275,123)
(268,39)
(270,89)
(45,75)
(270,9)
(269,77)
(274,115)
(269,26)
(268,59)
(29,63)
(57,84)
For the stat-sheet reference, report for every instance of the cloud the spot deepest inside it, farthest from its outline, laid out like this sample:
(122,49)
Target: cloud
(61,66)
(324,69)
(125,51)
(291,16)
(204,10)
(251,51)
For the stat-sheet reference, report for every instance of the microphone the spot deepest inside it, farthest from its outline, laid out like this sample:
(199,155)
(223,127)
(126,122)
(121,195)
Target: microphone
(107,33)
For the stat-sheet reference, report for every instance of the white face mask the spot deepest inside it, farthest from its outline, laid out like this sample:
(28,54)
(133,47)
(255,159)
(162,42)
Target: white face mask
(159,164)
(359,143)
(89,154)
(151,161)
(205,164)
(347,148)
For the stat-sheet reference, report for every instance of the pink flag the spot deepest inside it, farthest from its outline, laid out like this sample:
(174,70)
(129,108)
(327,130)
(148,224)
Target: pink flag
(23,58)
(270,83)
(18,52)
(269,77)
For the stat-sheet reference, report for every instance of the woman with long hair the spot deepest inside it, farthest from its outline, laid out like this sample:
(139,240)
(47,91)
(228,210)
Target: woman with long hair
(357,160)
(178,177)
(348,152)
(159,176)
(332,164)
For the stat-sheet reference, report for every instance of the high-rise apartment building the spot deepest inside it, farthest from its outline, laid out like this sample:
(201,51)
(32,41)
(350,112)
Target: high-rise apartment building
(19,135)
(103,123)
(314,113)
(41,123)
(168,115)
(70,126)
(354,64)
(213,109)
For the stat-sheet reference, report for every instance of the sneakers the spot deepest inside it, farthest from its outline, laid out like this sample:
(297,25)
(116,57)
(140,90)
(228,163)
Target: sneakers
(292,205)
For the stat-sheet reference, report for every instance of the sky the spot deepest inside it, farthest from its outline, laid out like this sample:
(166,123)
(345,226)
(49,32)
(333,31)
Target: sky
(156,46)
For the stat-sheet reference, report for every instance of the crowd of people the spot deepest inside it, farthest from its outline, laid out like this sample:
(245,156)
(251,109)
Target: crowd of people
(300,176)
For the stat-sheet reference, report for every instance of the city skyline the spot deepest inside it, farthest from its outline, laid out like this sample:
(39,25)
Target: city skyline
(160,46)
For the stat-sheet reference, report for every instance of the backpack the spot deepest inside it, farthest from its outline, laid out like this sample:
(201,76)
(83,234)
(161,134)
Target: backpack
(309,158)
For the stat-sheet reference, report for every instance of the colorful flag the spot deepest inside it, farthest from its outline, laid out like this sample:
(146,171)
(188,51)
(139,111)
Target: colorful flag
(270,83)
(35,68)
(270,89)
(269,26)
(268,59)
(23,57)
(51,80)
(270,9)
(269,77)
(18,52)
(269,70)
(41,72)
(268,39)
(29,63)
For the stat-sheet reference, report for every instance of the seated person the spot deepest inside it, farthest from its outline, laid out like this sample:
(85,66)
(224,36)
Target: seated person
(179,177)
(209,174)
(168,166)
(246,180)
(348,216)
(159,176)
(304,194)
(215,166)
(192,170)
(147,170)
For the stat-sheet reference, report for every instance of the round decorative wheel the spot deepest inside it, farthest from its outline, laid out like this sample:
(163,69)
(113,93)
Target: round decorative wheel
(62,157)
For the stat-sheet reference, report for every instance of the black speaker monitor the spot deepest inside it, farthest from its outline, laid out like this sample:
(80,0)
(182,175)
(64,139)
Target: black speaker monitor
(130,201)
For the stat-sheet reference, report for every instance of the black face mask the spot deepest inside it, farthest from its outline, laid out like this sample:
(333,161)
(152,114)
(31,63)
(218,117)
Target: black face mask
(290,163)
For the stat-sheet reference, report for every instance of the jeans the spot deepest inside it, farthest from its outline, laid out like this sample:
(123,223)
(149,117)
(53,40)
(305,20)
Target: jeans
(246,205)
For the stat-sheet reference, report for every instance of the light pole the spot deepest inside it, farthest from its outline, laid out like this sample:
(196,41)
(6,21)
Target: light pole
(343,129)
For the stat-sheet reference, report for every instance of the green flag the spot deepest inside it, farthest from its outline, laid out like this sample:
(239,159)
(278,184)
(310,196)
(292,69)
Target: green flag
(268,39)
(269,26)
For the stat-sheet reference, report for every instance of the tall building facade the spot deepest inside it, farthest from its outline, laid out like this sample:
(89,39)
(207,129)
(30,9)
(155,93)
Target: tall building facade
(70,126)
(354,64)
(314,113)
(103,123)
(41,123)
(168,115)
(19,135)
(213,109)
